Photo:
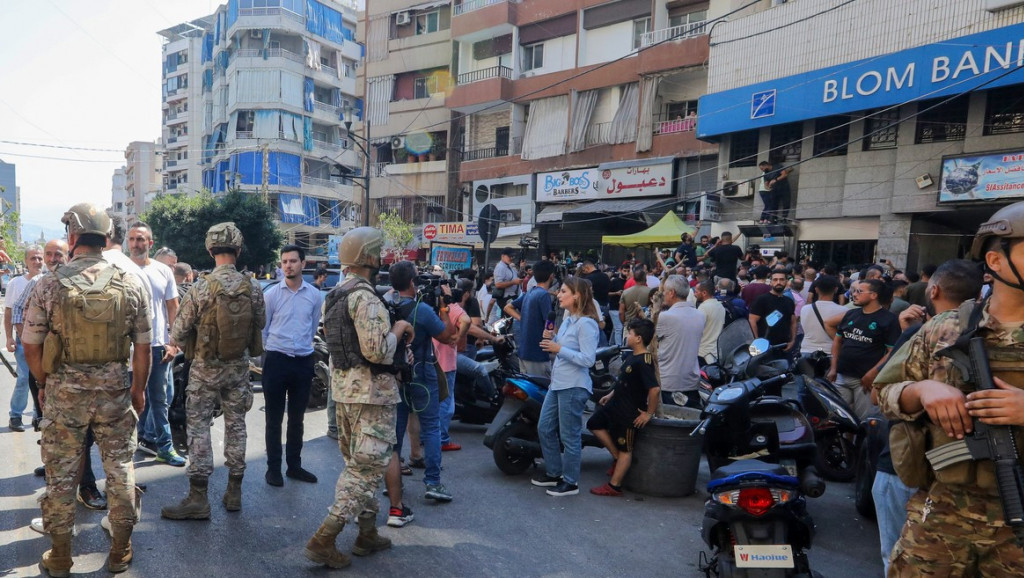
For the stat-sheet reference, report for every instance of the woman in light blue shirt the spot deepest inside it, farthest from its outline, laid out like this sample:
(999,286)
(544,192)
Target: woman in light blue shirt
(561,416)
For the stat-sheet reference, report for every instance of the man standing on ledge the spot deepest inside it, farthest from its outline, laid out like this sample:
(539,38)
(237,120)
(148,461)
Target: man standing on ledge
(220,322)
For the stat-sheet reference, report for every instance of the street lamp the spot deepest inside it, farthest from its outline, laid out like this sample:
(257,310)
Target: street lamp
(347,113)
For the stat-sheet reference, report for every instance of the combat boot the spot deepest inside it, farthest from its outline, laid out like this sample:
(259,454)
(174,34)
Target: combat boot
(369,541)
(233,495)
(321,549)
(57,560)
(195,506)
(120,548)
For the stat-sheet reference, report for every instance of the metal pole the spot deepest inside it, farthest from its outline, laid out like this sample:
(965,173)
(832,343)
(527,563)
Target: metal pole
(366,176)
(487,258)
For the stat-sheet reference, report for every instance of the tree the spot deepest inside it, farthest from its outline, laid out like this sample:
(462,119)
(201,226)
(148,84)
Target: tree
(181,222)
(397,235)
(10,222)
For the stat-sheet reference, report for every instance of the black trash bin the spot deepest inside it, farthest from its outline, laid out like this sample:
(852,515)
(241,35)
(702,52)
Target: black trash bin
(666,458)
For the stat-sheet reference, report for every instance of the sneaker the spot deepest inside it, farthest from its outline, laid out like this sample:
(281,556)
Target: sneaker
(545,481)
(398,517)
(171,458)
(438,492)
(92,498)
(37,525)
(40,471)
(148,447)
(450,447)
(606,490)
(15,424)
(564,488)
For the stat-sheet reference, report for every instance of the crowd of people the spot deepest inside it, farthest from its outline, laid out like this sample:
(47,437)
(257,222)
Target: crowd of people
(94,337)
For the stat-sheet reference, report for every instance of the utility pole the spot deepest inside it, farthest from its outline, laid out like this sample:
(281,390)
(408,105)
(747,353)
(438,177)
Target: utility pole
(265,186)
(366,175)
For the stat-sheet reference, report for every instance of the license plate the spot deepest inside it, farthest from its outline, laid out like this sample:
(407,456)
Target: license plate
(764,556)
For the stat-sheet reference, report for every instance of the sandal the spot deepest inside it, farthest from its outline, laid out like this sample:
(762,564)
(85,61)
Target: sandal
(417,463)
(406,470)
(606,490)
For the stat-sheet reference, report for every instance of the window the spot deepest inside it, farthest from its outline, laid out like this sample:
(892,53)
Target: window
(420,89)
(677,110)
(881,129)
(743,149)
(691,22)
(941,120)
(246,119)
(640,27)
(786,143)
(533,57)
(831,136)
(1004,111)
(427,23)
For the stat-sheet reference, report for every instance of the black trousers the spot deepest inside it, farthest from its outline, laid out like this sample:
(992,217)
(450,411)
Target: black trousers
(286,384)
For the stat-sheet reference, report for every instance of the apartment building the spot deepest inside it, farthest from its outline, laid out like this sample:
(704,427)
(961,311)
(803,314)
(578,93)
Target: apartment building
(119,192)
(10,193)
(142,176)
(903,135)
(259,97)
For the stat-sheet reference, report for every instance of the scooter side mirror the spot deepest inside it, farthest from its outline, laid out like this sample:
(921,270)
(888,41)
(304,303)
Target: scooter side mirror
(759,346)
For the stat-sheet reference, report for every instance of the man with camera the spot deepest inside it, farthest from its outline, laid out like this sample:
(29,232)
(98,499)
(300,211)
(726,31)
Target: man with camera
(423,394)
(506,281)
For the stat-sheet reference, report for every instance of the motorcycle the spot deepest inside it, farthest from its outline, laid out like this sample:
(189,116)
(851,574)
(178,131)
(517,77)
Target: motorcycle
(761,451)
(498,360)
(321,386)
(734,361)
(875,439)
(837,431)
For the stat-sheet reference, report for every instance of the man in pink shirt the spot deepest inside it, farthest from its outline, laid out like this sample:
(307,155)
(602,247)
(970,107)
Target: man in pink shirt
(447,357)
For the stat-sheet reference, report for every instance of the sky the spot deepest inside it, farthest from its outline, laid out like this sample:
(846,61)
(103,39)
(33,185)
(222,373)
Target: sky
(84,75)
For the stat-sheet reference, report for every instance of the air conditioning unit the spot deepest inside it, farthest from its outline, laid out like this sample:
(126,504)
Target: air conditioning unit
(397,142)
(737,189)
(403,18)
(255,34)
(507,216)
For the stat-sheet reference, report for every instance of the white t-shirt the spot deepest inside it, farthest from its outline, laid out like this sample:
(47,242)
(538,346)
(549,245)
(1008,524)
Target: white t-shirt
(161,280)
(714,321)
(815,337)
(14,289)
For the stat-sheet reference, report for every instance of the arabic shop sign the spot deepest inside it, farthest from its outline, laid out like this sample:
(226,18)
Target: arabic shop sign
(644,181)
(967,178)
(573,185)
(956,66)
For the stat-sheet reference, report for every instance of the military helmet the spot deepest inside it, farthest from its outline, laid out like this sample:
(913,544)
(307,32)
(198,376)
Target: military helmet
(224,235)
(1007,223)
(361,247)
(86,218)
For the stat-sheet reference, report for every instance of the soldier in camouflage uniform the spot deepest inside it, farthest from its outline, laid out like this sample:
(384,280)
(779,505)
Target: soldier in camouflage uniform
(83,382)
(215,374)
(365,401)
(955,526)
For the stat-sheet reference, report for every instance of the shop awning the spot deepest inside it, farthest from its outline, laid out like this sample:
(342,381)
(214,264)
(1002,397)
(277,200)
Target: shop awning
(554,213)
(665,232)
(844,229)
(616,207)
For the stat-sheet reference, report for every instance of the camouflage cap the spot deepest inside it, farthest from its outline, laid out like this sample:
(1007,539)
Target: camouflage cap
(1007,223)
(224,235)
(86,218)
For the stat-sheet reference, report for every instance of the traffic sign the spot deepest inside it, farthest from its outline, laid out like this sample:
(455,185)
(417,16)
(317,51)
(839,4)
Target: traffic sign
(429,232)
(490,220)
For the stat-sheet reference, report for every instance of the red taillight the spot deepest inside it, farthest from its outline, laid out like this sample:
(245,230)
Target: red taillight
(514,391)
(756,501)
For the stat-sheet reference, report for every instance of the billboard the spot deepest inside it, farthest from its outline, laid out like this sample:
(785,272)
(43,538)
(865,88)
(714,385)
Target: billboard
(451,257)
(982,177)
(570,185)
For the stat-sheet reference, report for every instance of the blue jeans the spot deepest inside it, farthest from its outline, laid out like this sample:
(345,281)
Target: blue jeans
(446,409)
(482,386)
(561,419)
(19,399)
(153,424)
(891,497)
(616,328)
(421,396)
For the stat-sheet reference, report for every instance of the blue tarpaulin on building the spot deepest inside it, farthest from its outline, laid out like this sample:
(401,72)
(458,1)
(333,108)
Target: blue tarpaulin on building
(307,133)
(290,207)
(335,214)
(232,12)
(311,208)
(220,177)
(207,47)
(208,178)
(284,169)
(307,94)
(326,22)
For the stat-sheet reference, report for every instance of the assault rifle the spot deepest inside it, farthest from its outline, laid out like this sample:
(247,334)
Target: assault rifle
(989,442)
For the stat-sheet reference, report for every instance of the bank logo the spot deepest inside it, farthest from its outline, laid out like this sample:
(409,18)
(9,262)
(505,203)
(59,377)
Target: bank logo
(762,104)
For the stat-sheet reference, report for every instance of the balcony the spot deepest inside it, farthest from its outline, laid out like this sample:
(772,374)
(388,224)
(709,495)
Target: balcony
(484,74)
(489,19)
(598,134)
(515,147)
(473,5)
(271,53)
(326,111)
(688,124)
(273,18)
(328,188)
(480,89)
(674,33)
(176,118)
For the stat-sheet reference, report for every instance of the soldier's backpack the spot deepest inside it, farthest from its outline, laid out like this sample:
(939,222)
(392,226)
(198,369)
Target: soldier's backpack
(226,330)
(94,324)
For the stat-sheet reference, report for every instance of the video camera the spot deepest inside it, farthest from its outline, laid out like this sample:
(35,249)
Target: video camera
(428,288)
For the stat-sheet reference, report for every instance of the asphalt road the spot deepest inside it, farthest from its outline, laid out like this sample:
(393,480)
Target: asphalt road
(496,526)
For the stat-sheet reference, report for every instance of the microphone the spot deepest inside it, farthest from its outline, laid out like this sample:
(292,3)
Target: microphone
(550,324)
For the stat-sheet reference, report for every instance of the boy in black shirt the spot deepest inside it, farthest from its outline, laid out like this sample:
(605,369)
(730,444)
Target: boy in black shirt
(772,315)
(628,407)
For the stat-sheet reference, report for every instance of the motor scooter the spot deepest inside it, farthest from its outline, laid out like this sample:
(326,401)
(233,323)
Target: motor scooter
(761,450)
(476,407)
(837,431)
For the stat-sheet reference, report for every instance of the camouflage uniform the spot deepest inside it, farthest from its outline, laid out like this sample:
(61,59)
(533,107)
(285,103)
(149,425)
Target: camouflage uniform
(955,527)
(80,396)
(210,380)
(365,410)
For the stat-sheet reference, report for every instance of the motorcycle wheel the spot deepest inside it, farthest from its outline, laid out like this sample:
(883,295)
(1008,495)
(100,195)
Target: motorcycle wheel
(862,498)
(507,462)
(836,458)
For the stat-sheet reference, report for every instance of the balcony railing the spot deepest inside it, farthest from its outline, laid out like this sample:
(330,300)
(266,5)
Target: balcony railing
(328,108)
(484,73)
(513,148)
(471,5)
(379,169)
(598,134)
(240,134)
(271,53)
(332,146)
(673,33)
(275,11)
(331,184)
(688,124)
(329,70)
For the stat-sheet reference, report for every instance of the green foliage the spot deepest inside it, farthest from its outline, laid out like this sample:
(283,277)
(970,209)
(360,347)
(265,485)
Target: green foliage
(397,234)
(180,222)
(10,222)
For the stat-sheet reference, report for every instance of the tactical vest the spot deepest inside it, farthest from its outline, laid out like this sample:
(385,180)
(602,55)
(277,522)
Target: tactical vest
(343,339)
(227,329)
(93,327)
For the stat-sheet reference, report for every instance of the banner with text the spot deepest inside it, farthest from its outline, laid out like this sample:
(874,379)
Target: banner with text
(451,257)
(451,233)
(988,177)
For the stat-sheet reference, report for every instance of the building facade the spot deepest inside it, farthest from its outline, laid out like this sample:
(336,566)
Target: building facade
(142,176)
(10,193)
(902,136)
(119,192)
(259,97)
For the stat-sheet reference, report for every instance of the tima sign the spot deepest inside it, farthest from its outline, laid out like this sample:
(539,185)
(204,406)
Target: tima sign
(975,62)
